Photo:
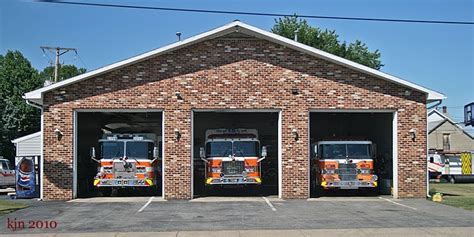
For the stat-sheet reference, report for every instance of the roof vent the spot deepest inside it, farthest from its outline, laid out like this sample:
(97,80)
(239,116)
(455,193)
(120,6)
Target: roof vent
(178,34)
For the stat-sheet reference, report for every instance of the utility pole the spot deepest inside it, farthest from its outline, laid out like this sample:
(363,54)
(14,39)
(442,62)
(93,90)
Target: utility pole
(58,51)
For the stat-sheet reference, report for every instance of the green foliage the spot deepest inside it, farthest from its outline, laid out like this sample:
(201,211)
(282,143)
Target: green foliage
(326,40)
(17,76)
(65,72)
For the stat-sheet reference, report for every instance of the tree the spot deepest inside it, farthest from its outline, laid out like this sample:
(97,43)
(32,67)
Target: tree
(65,72)
(326,40)
(17,76)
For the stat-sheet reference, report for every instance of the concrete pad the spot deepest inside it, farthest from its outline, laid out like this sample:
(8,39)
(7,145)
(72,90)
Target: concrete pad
(272,233)
(117,199)
(105,234)
(208,234)
(147,234)
(235,199)
(345,199)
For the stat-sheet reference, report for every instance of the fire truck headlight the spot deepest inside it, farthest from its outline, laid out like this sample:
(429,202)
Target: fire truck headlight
(328,171)
(374,177)
(215,169)
(251,169)
(364,171)
(107,170)
(141,170)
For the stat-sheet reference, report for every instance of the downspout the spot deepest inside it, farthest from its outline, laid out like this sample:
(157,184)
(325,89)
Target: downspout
(36,105)
(438,102)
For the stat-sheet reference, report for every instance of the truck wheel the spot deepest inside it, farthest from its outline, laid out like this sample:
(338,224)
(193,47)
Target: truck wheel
(452,179)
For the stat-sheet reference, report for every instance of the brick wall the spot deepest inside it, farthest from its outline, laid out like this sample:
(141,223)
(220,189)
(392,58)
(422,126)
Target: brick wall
(233,73)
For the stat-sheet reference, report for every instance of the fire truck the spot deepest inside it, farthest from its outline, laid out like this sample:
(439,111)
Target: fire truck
(232,157)
(127,161)
(451,166)
(347,164)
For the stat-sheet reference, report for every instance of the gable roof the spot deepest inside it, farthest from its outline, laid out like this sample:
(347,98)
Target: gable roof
(36,96)
(432,126)
(24,138)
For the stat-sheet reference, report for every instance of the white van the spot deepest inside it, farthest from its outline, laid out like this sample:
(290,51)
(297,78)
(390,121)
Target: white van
(7,173)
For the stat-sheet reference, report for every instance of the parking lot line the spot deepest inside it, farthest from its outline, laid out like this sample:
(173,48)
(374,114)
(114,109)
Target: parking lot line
(396,203)
(269,203)
(146,204)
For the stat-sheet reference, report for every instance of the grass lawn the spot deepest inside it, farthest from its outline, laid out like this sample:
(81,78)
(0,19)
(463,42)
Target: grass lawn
(457,195)
(10,206)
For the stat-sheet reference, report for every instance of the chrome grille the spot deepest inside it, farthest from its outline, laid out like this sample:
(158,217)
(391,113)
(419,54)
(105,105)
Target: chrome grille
(347,171)
(120,172)
(232,167)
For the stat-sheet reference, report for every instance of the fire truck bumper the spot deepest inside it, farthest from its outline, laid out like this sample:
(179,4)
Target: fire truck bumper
(351,184)
(123,182)
(234,181)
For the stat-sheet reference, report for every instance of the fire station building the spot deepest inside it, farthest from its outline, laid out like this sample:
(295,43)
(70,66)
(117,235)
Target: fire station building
(235,76)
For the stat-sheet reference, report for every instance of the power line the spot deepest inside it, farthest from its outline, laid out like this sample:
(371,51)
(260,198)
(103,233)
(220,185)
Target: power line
(58,51)
(262,14)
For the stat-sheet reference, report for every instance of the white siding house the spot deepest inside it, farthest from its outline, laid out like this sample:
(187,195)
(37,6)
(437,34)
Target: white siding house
(29,145)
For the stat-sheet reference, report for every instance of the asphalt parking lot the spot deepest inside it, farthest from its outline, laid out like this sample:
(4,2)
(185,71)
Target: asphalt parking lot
(145,214)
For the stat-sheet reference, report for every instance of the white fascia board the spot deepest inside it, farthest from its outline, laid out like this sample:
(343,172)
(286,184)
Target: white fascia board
(36,95)
(29,136)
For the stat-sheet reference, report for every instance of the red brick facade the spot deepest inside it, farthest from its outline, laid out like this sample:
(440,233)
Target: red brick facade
(233,73)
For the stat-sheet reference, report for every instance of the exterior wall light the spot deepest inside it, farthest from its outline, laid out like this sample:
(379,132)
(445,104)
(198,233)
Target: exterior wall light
(58,133)
(294,91)
(295,134)
(412,134)
(178,95)
(177,134)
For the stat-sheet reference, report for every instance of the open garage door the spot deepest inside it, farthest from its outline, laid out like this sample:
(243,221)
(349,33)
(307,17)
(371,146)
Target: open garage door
(118,153)
(227,153)
(352,153)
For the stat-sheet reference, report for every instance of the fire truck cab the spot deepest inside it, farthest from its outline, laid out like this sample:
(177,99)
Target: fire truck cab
(344,164)
(127,161)
(232,157)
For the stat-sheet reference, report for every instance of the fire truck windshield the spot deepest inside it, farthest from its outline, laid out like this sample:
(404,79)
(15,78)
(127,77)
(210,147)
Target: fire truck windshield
(341,151)
(143,150)
(246,148)
(227,148)
(218,149)
(111,149)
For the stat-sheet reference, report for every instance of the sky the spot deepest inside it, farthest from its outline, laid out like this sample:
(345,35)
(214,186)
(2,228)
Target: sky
(439,57)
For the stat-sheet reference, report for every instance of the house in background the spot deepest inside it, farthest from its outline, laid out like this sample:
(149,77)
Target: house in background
(445,135)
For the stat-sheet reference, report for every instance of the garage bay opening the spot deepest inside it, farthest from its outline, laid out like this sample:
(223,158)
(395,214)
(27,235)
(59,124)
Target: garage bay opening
(351,153)
(235,153)
(118,154)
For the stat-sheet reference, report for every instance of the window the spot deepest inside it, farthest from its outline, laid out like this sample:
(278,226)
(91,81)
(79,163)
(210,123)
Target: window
(112,150)
(218,149)
(358,151)
(5,165)
(446,143)
(140,150)
(246,148)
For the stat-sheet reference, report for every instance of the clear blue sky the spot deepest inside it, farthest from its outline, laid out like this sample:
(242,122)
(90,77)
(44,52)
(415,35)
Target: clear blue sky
(439,57)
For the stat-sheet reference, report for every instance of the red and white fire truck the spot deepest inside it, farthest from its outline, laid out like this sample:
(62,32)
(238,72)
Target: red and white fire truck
(344,164)
(232,157)
(127,161)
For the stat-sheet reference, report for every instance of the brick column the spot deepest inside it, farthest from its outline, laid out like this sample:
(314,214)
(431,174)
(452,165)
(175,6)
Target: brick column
(295,164)
(177,156)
